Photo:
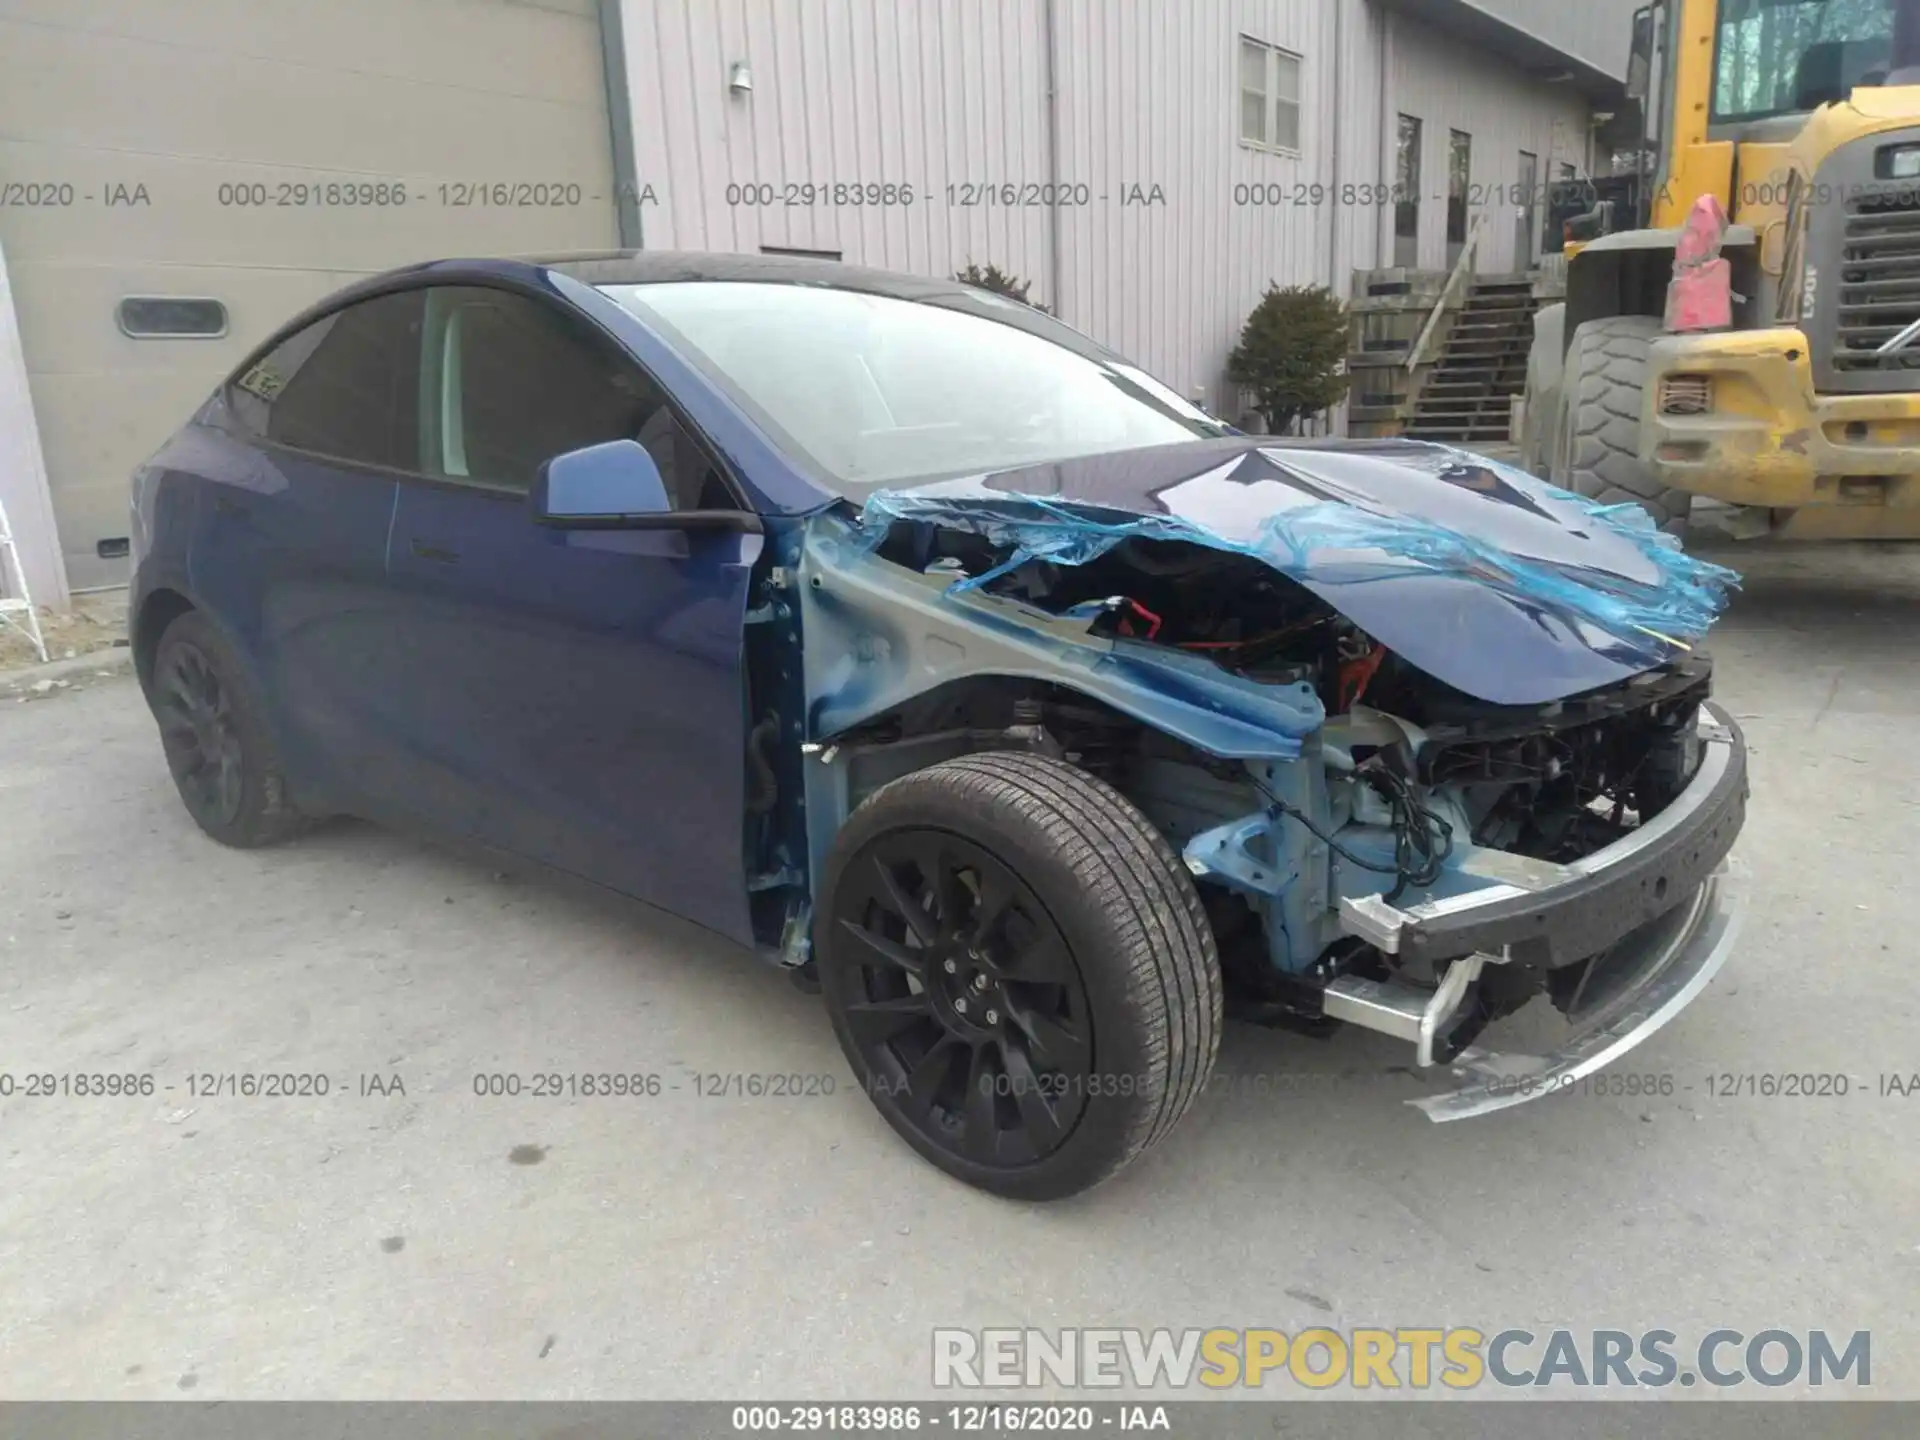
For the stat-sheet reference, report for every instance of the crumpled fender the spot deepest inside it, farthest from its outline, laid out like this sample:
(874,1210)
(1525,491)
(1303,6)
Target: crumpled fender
(878,634)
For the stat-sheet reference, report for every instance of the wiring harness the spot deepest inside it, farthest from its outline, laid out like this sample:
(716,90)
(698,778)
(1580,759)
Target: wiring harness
(1422,840)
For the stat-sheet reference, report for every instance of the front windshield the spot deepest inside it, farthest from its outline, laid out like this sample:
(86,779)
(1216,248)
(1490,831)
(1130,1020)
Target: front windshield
(1778,57)
(871,390)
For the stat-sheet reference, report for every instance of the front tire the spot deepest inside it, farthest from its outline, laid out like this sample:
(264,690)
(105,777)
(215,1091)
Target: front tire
(217,745)
(1597,440)
(1019,971)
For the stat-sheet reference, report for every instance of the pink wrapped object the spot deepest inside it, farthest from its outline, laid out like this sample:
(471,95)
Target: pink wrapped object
(1701,295)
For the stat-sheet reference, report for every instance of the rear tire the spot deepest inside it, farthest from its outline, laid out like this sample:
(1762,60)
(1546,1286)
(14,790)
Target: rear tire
(1597,439)
(1019,971)
(218,748)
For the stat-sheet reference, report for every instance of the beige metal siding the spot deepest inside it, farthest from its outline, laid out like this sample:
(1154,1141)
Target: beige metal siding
(182,97)
(844,91)
(1151,98)
(933,93)
(1451,86)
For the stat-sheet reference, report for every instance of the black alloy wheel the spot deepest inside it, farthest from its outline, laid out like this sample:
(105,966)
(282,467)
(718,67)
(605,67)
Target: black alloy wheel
(1019,971)
(966,1003)
(219,750)
(198,733)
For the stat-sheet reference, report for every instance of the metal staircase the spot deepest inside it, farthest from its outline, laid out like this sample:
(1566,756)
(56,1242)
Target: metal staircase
(1467,396)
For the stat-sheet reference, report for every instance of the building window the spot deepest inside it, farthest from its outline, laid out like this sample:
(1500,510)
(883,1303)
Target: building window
(1529,219)
(1269,96)
(1459,179)
(1406,181)
(168,317)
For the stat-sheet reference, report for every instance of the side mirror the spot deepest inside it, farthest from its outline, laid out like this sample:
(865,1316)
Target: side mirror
(1640,58)
(614,486)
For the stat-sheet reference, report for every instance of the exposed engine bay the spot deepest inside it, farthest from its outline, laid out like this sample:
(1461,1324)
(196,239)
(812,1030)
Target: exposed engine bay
(1430,738)
(1552,782)
(1417,786)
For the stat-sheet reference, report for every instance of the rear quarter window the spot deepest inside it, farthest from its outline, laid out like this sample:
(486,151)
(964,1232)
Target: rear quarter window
(346,386)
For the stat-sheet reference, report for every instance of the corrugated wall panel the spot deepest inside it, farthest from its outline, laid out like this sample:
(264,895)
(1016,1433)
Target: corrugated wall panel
(928,94)
(1168,252)
(1167,257)
(1450,86)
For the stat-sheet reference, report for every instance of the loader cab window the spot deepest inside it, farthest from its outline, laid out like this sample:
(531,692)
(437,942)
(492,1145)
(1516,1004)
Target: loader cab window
(1781,57)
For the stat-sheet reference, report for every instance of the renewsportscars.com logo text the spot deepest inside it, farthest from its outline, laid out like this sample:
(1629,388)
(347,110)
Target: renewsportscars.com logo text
(1460,1358)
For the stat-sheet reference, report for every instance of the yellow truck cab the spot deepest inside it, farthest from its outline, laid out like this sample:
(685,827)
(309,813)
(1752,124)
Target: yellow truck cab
(1803,118)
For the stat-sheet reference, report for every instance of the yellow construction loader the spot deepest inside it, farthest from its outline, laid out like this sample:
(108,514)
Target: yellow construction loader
(1802,117)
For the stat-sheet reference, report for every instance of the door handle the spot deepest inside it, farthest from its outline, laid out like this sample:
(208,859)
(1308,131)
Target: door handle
(227,505)
(424,551)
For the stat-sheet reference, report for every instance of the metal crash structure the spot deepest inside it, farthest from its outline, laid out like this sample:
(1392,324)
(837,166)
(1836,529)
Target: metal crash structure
(1361,883)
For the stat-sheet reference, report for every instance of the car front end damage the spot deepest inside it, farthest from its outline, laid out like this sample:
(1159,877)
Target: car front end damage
(1429,735)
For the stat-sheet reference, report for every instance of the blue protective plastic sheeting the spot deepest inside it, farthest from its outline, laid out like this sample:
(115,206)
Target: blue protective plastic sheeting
(1329,543)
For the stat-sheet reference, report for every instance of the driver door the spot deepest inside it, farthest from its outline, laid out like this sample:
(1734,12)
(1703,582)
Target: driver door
(576,697)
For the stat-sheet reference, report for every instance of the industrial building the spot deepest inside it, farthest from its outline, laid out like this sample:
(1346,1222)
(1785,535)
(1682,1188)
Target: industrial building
(177,177)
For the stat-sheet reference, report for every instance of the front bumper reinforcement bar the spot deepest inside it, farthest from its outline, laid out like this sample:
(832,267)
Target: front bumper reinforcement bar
(1658,911)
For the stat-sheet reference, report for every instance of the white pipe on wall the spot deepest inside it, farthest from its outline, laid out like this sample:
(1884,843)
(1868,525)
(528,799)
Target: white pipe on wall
(1335,113)
(1389,140)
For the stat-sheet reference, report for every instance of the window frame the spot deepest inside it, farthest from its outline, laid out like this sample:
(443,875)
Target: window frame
(1531,193)
(298,326)
(1460,186)
(1415,174)
(120,317)
(404,284)
(1272,58)
(1718,119)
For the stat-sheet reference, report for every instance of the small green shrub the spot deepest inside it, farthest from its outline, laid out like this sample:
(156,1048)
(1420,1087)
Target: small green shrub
(1292,355)
(992,277)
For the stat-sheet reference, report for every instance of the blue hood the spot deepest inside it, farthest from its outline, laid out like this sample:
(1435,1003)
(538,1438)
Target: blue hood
(1491,581)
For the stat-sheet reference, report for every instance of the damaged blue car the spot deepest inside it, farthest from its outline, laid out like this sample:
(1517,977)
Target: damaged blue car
(899,631)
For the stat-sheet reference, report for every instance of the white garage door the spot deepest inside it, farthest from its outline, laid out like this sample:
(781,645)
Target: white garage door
(256,155)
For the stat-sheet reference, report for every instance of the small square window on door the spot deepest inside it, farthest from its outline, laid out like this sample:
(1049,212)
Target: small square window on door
(170,317)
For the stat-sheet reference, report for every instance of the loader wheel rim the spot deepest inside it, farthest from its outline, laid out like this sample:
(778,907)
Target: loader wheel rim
(963,998)
(197,730)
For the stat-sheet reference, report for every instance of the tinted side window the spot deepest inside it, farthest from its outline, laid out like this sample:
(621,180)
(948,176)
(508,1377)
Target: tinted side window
(510,382)
(347,386)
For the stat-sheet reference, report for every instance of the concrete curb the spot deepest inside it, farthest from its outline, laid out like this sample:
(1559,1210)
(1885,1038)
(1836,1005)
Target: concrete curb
(19,682)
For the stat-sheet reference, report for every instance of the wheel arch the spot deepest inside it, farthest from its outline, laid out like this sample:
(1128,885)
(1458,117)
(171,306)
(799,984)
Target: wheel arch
(1623,274)
(157,609)
(879,637)
(1628,273)
(165,600)
(967,714)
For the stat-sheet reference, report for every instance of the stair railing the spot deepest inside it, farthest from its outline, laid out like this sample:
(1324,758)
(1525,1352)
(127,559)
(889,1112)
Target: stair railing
(1456,282)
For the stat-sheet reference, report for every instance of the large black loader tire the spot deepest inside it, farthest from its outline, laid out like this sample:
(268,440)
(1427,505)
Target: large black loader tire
(218,746)
(1019,970)
(1597,440)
